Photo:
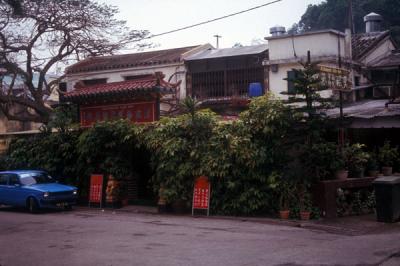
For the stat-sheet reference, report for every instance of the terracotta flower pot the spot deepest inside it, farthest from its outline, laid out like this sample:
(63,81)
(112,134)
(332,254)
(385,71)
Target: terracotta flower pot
(373,173)
(284,214)
(305,215)
(386,170)
(342,174)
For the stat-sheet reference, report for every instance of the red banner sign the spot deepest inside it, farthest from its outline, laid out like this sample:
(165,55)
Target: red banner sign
(201,193)
(96,188)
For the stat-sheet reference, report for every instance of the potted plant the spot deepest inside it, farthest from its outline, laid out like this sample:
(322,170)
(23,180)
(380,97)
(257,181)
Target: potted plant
(388,156)
(338,167)
(285,190)
(356,159)
(304,202)
(372,165)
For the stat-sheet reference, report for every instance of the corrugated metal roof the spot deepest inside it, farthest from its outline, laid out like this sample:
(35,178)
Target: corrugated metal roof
(228,52)
(368,109)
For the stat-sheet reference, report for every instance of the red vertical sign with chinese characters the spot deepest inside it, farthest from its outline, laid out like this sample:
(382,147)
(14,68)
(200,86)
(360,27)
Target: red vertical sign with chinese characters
(96,188)
(201,194)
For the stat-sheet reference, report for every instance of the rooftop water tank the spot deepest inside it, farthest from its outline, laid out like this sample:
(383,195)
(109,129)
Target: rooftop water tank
(373,22)
(277,31)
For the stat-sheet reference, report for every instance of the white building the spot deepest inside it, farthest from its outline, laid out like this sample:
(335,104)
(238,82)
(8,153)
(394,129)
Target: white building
(356,52)
(108,69)
(286,51)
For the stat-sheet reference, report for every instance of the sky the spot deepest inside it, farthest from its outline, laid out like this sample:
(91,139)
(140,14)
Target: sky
(249,28)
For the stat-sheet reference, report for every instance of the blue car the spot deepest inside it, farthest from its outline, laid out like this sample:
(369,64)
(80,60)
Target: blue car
(35,190)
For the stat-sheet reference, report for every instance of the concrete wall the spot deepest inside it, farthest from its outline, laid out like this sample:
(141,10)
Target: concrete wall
(320,44)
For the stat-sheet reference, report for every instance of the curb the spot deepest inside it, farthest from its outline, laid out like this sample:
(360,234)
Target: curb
(310,224)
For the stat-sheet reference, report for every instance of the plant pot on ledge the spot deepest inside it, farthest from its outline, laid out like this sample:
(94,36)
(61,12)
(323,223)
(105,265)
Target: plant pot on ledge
(305,215)
(373,173)
(387,170)
(342,174)
(284,214)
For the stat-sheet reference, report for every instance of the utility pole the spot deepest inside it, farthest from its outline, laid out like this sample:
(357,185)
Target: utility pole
(351,18)
(217,37)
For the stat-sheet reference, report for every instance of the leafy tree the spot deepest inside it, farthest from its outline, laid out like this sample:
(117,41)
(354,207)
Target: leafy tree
(307,89)
(334,14)
(49,32)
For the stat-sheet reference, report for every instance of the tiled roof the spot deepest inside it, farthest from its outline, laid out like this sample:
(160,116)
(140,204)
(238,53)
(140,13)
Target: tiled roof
(125,89)
(130,60)
(363,43)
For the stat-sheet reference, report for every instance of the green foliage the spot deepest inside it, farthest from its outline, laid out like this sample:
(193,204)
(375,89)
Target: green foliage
(240,157)
(333,14)
(356,158)
(178,147)
(306,94)
(55,153)
(109,148)
(388,155)
(64,118)
(322,160)
(355,202)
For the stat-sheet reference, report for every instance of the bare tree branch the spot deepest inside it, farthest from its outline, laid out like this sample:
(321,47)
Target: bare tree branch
(46,33)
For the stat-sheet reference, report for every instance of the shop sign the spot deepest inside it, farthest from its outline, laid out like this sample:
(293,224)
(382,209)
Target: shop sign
(201,194)
(96,189)
(336,78)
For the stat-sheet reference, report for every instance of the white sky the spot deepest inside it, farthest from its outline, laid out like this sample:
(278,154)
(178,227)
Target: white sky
(159,16)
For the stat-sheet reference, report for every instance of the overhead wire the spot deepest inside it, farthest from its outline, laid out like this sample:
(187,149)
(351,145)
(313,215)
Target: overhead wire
(194,25)
(212,20)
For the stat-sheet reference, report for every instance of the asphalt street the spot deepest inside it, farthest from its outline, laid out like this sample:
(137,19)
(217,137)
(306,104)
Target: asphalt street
(94,237)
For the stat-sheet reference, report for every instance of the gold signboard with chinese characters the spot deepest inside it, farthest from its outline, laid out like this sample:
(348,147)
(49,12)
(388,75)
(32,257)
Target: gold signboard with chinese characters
(336,78)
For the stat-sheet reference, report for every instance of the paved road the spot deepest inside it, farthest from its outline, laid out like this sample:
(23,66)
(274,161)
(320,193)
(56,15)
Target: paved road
(92,237)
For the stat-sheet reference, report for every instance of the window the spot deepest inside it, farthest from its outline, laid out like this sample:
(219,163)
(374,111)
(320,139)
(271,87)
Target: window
(105,115)
(138,115)
(136,77)
(290,76)
(129,115)
(147,113)
(120,114)
(89,82)
(3,180)
(36,178)
(98,116)
(13,180)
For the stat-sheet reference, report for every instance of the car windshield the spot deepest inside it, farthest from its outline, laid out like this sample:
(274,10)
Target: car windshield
(35,178)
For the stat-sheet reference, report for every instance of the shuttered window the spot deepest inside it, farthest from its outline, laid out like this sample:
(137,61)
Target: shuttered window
(291,75)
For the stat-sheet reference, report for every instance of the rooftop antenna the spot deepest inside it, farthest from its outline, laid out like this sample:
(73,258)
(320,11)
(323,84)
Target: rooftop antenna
(217,37)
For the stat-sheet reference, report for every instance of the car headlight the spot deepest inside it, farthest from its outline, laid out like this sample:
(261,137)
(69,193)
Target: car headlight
(46,194)
(75,192)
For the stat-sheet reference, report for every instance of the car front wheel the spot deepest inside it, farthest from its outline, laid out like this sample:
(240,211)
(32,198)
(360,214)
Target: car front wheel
(32,205)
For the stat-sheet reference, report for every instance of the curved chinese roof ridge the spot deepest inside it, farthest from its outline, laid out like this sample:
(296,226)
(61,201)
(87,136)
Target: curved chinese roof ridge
(127,88)
(130,60)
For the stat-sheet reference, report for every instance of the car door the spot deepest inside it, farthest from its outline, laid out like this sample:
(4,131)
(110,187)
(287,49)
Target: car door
(3,188)
(17,193)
